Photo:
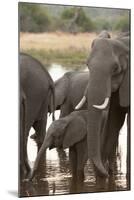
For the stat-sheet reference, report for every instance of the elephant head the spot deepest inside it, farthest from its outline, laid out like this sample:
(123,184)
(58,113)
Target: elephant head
(104,34)
(109,72)
(63,133)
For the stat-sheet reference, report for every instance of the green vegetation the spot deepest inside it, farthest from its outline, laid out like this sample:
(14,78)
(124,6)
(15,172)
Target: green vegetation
(122,24)
(103,24)
(33,18)
(41,18)
(72,57)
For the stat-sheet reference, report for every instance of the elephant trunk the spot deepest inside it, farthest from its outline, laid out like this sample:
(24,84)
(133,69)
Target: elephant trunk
(94,140)
(98,100)
(47,143)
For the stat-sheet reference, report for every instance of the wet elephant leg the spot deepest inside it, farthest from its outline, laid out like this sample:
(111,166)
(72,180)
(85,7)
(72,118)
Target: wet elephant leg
(22,169)
(24,131)
(73,165)
(40,128)
(73,162)
(26,155)
(115,121)
(82,156)
(24,164)
(128,151)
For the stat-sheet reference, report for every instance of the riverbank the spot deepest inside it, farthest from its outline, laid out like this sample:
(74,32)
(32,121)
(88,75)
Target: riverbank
(58,47)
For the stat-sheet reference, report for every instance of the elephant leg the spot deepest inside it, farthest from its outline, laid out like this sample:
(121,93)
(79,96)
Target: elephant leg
(73,162)
(40,128)
(24,164)
(128,151)
(26,155)
(73,165)
(82,156)
(23,168)
(115,121)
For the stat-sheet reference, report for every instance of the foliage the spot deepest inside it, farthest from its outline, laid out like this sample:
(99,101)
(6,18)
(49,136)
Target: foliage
(68,13)
(33,18)
(122,24)
(78,18)
(103,24)
(45,18)
(64,57)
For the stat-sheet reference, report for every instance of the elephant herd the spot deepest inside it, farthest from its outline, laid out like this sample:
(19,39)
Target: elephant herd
(93,108)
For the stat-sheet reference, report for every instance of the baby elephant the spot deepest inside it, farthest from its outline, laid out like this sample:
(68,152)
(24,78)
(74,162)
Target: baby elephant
(68,132)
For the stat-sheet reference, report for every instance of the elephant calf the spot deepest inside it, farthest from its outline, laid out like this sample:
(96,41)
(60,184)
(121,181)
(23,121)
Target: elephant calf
(68,132)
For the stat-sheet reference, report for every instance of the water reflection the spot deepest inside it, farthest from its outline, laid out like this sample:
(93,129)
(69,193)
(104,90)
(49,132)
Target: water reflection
(54,175)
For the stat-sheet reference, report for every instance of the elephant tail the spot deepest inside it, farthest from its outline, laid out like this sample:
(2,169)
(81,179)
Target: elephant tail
(52,106)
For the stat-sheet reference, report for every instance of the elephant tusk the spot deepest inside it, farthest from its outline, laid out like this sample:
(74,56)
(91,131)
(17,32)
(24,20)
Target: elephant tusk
(102,106)
(81,103)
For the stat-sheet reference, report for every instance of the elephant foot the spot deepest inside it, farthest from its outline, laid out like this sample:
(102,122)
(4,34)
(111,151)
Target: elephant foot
(100,170)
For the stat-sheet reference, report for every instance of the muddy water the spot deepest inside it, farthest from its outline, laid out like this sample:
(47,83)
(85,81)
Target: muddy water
(54,176)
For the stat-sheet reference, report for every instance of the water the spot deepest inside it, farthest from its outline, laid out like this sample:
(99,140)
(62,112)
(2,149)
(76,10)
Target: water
(54,174)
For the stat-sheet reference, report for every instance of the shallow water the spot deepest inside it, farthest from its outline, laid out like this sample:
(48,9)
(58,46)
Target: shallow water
(54,175)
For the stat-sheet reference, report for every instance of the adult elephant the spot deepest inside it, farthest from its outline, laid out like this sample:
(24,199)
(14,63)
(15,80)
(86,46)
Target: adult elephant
(36,91)
(69,90)
(109,86)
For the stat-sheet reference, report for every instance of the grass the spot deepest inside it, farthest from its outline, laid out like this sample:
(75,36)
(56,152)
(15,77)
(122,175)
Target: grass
(58,47)
(60,57)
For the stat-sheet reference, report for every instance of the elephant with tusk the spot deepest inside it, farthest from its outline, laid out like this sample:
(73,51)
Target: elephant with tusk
(109,85)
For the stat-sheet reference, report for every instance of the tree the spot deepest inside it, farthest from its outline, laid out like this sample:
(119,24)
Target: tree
(123,24)
(33,18)
(77,18)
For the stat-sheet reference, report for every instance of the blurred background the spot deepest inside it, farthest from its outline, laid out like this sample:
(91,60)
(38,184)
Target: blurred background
(63,34)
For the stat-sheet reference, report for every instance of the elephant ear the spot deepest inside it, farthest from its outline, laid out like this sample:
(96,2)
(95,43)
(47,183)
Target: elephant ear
(124,90)
(61,89)
(121,49)
(75,132)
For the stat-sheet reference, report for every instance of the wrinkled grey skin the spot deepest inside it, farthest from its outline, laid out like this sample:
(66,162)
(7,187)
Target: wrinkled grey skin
(69,90)
(36,91)
(108,78)
(69,132)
